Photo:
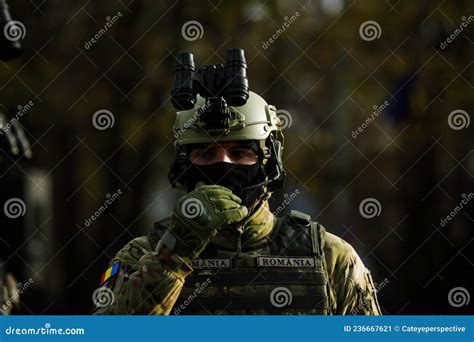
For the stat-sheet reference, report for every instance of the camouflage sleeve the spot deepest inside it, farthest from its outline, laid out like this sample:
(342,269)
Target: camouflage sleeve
(146,282)
(352,288)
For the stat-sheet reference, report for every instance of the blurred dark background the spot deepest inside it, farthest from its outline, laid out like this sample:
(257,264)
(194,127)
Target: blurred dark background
(311,59)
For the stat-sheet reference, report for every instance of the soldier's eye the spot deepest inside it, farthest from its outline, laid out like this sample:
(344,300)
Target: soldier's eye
(208,153)
(243,153)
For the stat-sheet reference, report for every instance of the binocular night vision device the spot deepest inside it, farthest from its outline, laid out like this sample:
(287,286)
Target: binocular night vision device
(221,85)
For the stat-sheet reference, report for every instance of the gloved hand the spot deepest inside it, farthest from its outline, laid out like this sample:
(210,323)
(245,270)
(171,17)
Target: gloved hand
(199,215)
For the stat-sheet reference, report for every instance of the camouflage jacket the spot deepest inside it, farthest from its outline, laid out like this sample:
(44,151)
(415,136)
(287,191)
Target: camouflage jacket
(141,281)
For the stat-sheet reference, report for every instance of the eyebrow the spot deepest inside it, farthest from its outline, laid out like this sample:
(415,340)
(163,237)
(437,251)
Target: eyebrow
(243,146)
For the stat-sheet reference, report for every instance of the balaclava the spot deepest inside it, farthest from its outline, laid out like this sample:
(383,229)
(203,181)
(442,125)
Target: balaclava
(236,177)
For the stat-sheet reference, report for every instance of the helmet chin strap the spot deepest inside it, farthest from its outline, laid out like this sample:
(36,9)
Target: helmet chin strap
(263,196)
(263,183)
(258,185)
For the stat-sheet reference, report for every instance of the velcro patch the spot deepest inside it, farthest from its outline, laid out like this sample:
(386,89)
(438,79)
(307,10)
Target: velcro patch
(210,263)
(296,262)
(111,272)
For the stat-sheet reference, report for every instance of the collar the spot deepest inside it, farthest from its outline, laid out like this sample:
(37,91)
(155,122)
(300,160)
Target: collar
(253,230)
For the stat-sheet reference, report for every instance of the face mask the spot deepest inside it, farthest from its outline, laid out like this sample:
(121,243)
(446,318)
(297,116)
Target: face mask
(232,176)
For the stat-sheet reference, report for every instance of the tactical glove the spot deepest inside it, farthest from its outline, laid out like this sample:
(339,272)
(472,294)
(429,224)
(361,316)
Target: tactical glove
(198,216)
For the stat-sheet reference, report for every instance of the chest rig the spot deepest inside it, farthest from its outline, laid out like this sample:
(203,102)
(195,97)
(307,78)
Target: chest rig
(286,275)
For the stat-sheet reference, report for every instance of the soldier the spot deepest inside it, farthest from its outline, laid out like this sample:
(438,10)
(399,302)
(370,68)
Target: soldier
(222,251)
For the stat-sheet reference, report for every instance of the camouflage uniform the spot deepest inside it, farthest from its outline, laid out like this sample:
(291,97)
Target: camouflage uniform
(151,283)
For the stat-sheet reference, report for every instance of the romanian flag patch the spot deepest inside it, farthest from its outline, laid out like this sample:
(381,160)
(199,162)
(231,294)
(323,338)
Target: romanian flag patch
(110,273)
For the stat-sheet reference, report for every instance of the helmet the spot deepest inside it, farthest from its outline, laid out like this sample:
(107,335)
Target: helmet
(256,121)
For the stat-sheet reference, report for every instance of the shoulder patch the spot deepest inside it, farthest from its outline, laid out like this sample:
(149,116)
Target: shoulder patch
(111,272)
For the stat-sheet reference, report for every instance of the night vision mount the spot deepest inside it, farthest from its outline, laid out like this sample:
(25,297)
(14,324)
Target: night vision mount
(221,85)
